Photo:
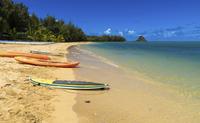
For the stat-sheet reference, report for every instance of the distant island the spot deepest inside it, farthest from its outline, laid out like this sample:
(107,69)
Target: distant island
(141,39)
(16,23)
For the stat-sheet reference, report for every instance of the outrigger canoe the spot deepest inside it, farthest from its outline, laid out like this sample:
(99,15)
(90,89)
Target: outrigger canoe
(68,84)
(30,55)
(47,63)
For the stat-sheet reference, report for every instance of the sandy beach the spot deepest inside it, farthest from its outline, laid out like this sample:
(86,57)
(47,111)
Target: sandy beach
(21,102)
(136,101)
(124,61)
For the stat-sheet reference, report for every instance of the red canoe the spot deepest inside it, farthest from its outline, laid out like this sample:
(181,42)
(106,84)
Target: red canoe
(48,63)
(30,55)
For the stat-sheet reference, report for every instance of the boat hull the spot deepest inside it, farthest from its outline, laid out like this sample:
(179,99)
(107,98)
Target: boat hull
(47,63)
(30,55)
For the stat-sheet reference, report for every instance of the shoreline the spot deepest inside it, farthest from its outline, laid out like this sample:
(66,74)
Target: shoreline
(20,101)
(137,100)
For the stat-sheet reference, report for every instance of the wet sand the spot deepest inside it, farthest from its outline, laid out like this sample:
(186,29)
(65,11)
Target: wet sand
(21,102)
(130,100)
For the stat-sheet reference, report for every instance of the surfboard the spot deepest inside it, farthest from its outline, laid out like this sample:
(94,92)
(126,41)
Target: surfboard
(69,84)
(47,53)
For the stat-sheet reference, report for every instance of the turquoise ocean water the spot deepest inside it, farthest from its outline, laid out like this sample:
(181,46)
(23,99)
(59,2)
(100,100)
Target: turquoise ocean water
(174,64)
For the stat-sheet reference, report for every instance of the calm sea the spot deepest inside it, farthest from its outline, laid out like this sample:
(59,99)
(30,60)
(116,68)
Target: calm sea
(174,64)
(154,82)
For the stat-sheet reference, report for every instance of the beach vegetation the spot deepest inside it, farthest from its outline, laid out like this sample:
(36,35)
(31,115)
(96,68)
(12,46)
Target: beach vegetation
(16,23)
(106,38)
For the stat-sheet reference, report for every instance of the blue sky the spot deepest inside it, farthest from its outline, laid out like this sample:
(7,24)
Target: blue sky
(155,19)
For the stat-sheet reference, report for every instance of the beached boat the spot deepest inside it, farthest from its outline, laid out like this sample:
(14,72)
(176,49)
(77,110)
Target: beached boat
(48,63)
(68,84)
(30,55)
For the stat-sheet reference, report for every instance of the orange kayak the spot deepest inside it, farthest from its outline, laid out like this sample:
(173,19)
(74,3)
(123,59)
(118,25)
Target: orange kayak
(30,55)
(48,63)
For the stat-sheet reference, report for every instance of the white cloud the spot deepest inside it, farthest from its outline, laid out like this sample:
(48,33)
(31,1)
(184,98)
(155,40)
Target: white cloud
(108,31)
(131,32)
(121,33)
(168,34)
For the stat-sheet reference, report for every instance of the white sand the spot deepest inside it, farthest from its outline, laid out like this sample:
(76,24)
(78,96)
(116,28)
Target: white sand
(21,102)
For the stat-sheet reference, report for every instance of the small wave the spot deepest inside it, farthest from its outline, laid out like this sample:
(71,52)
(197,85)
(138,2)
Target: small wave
(103,59)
